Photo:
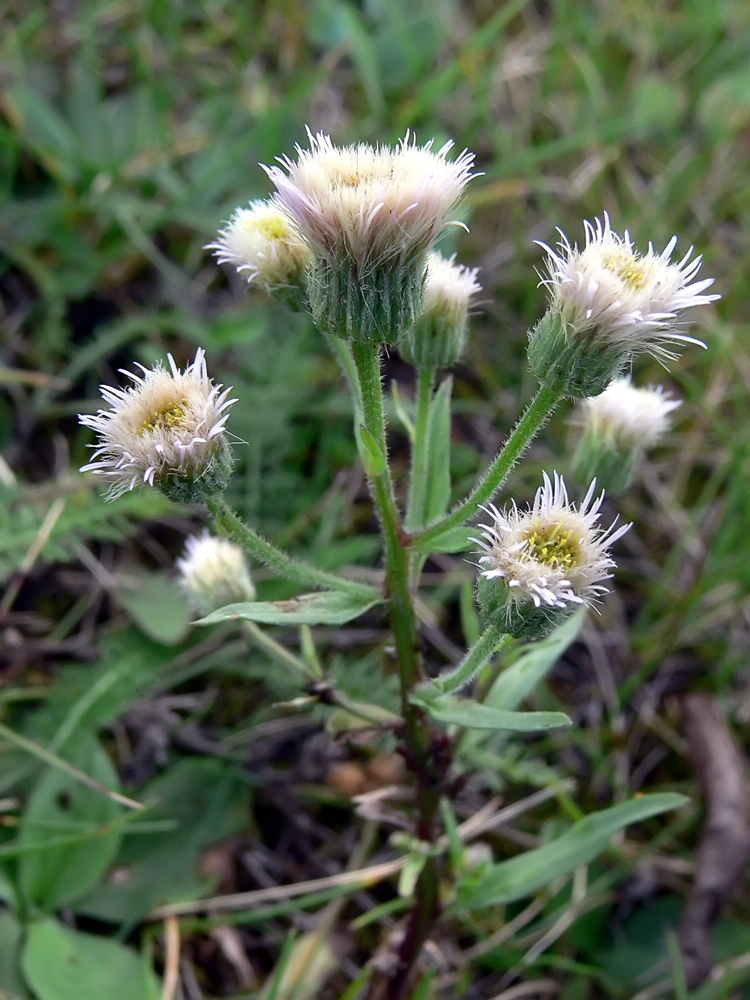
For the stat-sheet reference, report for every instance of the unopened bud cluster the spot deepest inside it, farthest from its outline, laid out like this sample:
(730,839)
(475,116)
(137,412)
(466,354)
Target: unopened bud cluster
(349,231)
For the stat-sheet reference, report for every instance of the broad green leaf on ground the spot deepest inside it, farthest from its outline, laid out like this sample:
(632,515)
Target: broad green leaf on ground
(439,453)
(453,540)
(60,805)
(474,715)
(330,607)
(11,935)
(534,662)
(205,801)
(132,667)
(525,874)
(61,964)
(157,605)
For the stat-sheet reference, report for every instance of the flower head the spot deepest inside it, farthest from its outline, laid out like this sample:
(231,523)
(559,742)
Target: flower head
(628,416)
(264,243)
(438,336)
(609,302)
(611,291)
(213,572)
(546,560)
(618,426)
(370,214)
(371,203)
(166,429)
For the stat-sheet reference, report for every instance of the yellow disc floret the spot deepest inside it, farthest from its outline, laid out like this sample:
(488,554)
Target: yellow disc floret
(165,418)
(552,544)
(273,227)
(627,268)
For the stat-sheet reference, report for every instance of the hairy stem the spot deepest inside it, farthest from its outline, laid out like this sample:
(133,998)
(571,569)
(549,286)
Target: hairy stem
(229,525)
(534,417)
(279,653)
(417,734)
(488,643)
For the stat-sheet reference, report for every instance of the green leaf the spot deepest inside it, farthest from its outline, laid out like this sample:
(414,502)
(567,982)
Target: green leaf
(8,894)
(61,805)
(205,801)
(362,715)
(535,660)
(369,450)
(474,715)
(11,934)
(523,875)
(61,964)
(439,453)
(157,605)
(471,623)
(329,607)
(398,406)
(453,540)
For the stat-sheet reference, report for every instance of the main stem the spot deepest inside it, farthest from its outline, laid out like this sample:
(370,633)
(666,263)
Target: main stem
(229,524)
(534,417)
(417,735)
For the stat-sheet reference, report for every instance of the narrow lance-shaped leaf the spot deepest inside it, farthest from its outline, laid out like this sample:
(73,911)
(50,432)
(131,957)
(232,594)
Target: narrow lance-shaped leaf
(525,874)
(327,607)
(439,459)
(473,715)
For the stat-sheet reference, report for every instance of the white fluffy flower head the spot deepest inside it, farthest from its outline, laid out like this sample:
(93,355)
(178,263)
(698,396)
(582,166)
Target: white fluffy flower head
(629,300)
(213,572)
(438,335)
(625,416)
(166,429)
(553,555)
(371,203)
(449,289)
(263,242)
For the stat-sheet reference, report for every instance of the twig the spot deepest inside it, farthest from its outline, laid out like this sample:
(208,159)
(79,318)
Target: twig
(171,957)
(62,765)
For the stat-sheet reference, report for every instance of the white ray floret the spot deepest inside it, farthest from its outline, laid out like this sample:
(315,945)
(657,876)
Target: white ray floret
(214,572)
(629,300)
(626,416)
(168,423)
(552,555)
(371,203)
(264,244)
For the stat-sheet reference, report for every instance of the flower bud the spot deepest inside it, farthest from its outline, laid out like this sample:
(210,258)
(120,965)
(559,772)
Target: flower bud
(619,426)
(438,337)
(609,303)
(370,215)
(538,565)
(213,572)
(166,430)
(263,242)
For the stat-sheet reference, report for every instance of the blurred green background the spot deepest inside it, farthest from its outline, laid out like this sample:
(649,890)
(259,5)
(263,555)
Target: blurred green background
(129,133)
